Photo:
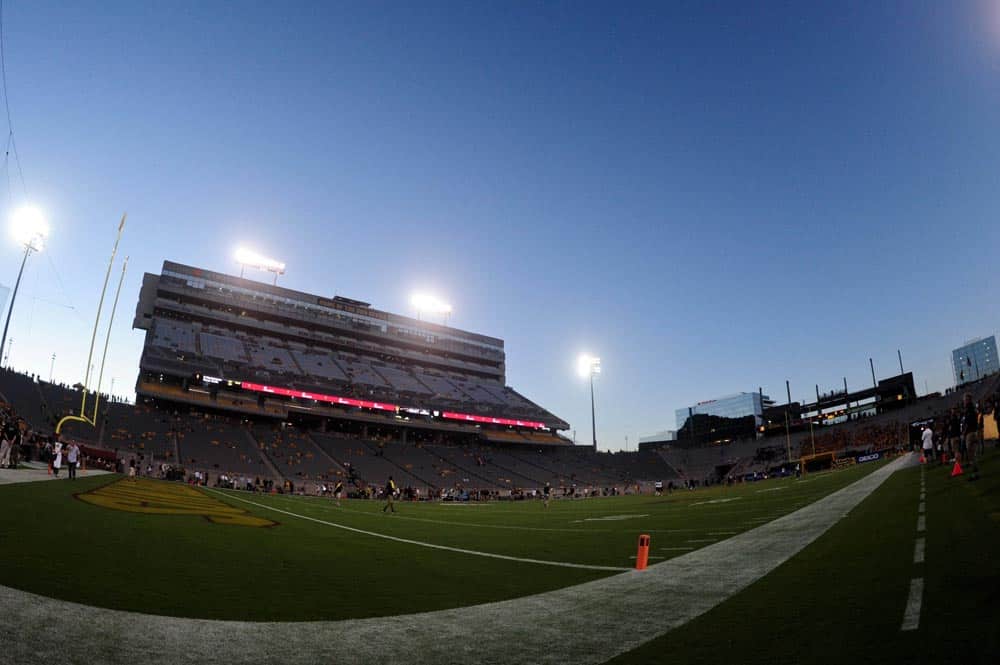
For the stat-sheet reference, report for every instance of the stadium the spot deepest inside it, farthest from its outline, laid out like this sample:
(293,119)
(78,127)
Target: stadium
(220,458)
(254,403)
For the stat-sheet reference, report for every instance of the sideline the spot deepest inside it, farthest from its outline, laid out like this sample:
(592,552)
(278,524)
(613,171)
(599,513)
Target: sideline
(583,624)
(32,475)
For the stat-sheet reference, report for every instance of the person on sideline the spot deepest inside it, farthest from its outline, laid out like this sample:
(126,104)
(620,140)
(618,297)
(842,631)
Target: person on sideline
(5,447)
(927,439)
(390,495)
(72,458)
(57,460)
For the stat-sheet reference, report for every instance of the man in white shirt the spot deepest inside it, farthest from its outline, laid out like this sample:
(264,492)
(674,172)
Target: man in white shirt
(927,438)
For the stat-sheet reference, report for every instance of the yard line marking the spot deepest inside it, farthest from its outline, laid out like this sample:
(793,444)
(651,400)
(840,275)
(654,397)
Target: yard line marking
(722,533)
(609,518)
(675,549)
(651,556)
(408,541)
(920,508)
(921,524)
(922,496)
(708,503)
(701,540)
(918,551)
(330,506)
(771,489)
(577,628)
(911,616)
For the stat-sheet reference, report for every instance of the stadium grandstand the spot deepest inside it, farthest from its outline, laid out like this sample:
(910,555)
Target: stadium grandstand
(242,379)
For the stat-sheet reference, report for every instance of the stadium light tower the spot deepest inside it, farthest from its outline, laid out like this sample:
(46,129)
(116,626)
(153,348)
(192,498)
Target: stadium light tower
(29,228)
(587,366)
(424,302)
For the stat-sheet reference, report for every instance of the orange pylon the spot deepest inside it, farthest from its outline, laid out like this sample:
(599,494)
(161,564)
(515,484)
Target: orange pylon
(956,470)
(642,555)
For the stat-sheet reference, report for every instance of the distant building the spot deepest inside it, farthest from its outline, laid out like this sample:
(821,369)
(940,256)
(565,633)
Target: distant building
(731,406)
(974,360)
(659,437)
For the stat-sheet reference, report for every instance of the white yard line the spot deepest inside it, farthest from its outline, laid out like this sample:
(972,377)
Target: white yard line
(918,551)
(582,624)
(911,616)
(480,525)
(714,501)
(921,523)
(420,543)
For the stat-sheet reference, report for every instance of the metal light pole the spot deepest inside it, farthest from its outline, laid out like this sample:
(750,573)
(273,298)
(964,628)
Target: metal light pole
(588,365)
(52,367)
(593,413)
(13,297)
(31,230)
(788,435)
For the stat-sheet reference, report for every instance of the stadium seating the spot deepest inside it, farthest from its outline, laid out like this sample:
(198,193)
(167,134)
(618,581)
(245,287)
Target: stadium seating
(219,445)
(294,454)
(369,467)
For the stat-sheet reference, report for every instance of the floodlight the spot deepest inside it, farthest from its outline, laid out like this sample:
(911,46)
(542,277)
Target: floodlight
(29,227)
(250,258)
(424,302)
(588,365)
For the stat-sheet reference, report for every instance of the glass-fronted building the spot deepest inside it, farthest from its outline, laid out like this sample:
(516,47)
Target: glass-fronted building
(730,406)
(974,360)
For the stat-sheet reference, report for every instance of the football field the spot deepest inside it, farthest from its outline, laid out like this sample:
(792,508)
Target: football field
(144,564)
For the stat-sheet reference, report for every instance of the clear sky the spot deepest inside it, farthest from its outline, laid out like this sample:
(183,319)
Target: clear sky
(710,196)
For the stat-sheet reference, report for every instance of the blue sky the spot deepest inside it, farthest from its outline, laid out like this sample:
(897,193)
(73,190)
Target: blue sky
(710,196)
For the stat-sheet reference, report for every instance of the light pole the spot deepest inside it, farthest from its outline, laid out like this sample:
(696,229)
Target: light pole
(588,365)
(52,367)
(30,230)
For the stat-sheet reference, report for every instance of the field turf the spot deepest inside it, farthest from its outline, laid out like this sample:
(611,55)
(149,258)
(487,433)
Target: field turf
(841,599)
(300,569)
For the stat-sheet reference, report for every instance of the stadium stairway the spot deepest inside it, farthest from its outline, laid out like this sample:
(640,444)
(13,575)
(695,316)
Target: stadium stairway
(375,450)
(490,483)
(264,457)
(550,473)
(325,455)
(532,482)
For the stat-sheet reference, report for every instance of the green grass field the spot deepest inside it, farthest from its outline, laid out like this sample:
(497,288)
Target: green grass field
(842,596)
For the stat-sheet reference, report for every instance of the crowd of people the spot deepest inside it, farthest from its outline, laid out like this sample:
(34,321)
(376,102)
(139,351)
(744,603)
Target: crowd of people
(957,436)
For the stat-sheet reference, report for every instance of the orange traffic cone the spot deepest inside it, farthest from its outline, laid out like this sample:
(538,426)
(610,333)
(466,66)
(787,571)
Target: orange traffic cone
(956,470)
